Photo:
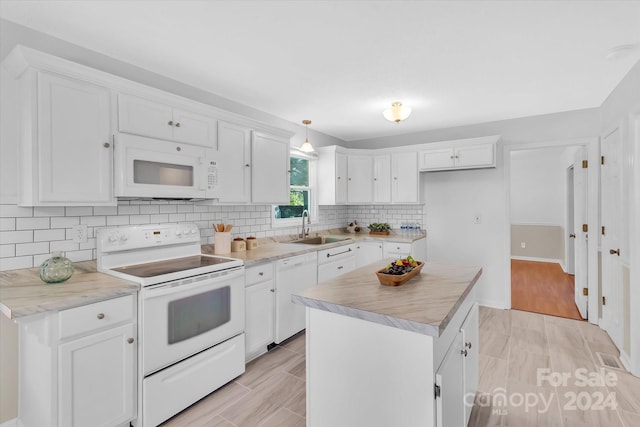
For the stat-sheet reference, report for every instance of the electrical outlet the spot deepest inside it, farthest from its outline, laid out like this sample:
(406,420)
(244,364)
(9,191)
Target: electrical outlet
(477,219)
(79,233)
(523,245)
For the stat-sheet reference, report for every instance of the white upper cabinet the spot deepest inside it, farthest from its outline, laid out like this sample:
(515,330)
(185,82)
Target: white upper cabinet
(470,153)
(234,169)
(270,169)
(405,177)
(332,176)
(66,148)
(360,181)
(382,179)
(140,116)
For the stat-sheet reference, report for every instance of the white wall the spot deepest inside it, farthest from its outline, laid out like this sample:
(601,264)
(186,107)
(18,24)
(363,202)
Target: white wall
(538,186)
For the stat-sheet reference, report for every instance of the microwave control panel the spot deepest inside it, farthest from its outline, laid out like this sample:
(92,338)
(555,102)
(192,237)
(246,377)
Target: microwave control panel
(212,174)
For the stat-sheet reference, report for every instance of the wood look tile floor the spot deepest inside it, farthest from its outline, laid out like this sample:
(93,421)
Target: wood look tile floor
(542,287)
(514,345)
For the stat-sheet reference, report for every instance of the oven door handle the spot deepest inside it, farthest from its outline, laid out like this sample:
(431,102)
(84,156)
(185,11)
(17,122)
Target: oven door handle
(170,288)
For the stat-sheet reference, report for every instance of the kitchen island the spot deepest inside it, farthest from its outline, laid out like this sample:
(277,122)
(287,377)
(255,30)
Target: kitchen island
(392,356)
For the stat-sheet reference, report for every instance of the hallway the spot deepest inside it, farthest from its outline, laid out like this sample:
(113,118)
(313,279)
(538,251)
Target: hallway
(542,287)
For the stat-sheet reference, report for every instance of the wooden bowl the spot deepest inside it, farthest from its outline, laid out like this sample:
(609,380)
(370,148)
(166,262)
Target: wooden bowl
(397,280)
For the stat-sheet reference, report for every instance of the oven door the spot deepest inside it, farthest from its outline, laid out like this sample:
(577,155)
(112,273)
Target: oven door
(184,317)
(148,167)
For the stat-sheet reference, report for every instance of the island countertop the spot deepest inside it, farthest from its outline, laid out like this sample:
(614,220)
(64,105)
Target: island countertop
(425,304)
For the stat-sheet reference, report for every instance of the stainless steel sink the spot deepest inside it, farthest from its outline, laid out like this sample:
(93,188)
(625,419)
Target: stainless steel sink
(319,240)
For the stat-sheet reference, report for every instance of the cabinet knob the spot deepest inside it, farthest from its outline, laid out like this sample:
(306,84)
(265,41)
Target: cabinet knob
(106,145)
(338,177)
(178,124)
(178,149)
(247,165)
(572,235)
(375,179)
(349,179)
(100,316)
(261,274)
(170,123)
(463,352)
(451,157)
(468,345)
(272,290)
(614,251)
(395,177)
(130,340)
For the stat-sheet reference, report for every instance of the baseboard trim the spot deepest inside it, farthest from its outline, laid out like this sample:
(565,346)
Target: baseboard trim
(530,258)
(491,304)
(10,423)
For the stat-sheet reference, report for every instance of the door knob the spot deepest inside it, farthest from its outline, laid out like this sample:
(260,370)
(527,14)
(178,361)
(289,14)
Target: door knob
(614,251)
(468,345)
(178,124)
(463,352)
(170,123)
(106,145)
(130,340)
(572,235)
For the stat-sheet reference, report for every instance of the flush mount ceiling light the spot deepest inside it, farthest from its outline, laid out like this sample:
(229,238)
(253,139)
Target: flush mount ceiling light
(306,146)
(397,112)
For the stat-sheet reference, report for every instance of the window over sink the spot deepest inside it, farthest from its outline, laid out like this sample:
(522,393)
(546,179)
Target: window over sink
(302,179)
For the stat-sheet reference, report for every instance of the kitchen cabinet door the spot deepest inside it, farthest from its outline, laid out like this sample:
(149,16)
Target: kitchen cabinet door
(145,118)
(234,169)
(194,128)
(449,378)
(270,169)
(368,252)
(437,159)
(71,154)
(396,250)
(404,171)
(97,378)
(382,179)
(475,156)
(470,337)
(259,318)
(341,179)
(360,181)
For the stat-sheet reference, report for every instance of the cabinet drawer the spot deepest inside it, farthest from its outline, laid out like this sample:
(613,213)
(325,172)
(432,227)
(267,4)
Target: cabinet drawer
(337,253)
(394,249)
(95,316)
(258,274)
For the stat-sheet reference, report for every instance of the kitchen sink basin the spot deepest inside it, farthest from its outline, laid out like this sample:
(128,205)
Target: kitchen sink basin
(319,240)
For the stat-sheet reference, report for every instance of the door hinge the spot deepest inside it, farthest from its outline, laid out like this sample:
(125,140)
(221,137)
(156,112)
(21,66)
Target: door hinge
(585,164)
(602,230)
(604,300)
(602,160)
(585,291)
(436,390)
(585,228)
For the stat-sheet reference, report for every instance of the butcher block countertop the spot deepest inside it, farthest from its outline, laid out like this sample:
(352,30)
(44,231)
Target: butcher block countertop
(22,293)
(425,304)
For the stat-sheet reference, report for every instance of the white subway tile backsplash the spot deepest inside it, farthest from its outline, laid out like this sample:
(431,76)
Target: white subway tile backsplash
(16,262)
(158,219)
(49,235)
(177,218)
(32,248)
(65,222)
(139,219)
(149,209)
(117,220)
(185,208)
(32,223)
(7,224)
(93,221)
(7,211)
(168,209)
(48,211)
(77,256)
(40,258)
(16,236)
(79,211)
(63,245)
(105,210)
(7,251)
(128,209)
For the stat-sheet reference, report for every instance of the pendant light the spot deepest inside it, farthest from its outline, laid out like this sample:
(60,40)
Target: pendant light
(397,112)
(306,147)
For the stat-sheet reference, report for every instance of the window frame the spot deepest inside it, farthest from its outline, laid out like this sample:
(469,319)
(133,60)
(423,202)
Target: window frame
(312,188)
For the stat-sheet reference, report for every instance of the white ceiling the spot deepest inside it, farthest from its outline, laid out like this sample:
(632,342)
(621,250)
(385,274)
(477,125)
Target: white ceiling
(340,63)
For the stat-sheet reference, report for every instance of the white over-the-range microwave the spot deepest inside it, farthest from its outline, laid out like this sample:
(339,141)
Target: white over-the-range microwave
(153,168)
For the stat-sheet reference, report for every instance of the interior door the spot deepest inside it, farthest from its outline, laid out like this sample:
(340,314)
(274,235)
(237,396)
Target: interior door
(581,237)
(611,214)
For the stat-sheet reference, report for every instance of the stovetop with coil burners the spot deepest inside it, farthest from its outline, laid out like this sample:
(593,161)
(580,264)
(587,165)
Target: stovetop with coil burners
(159,253)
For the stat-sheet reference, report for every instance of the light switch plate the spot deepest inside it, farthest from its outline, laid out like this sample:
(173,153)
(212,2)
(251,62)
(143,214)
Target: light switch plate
(79,233)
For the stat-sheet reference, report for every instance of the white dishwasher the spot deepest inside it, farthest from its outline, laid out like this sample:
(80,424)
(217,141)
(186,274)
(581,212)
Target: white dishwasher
(336,261)
(293,275)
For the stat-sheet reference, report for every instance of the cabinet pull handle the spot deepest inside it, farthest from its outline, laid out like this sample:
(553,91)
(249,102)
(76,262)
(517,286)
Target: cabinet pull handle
(106,145)
(170,123)
(100,316)
(463,352)
(261,274)
(339,253)
(178,149)
(614,251)
(247,165)
(130,340)
(468,345)
(178,124)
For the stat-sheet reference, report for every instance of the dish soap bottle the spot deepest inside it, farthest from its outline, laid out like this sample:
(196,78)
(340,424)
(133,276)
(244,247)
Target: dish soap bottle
(56,269)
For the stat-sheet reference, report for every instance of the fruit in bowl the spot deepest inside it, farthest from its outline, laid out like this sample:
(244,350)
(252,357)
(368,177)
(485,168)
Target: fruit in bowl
(401,266)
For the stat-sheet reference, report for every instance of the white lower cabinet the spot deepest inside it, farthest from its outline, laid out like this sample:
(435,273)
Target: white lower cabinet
(259,309)
(78,366)
(96,378)
(417,249)
(368,252)
(457,376)
(335,262)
